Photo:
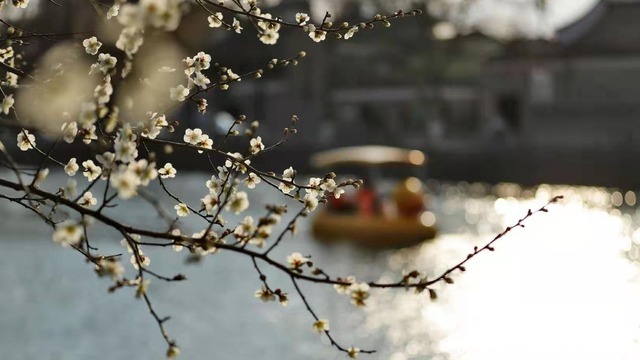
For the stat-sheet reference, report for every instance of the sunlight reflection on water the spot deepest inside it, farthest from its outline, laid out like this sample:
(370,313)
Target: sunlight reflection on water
(563,287)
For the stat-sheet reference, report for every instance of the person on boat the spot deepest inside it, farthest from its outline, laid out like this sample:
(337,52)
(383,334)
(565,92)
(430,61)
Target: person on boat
(409,197)
(368,199)
(364,202)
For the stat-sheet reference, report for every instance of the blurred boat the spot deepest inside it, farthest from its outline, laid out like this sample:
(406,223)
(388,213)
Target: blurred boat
(366,218)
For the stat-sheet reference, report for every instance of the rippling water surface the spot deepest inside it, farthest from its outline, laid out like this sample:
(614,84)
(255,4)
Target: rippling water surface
(564,287)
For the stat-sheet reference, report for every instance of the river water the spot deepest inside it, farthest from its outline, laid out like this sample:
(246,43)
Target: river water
(564,287)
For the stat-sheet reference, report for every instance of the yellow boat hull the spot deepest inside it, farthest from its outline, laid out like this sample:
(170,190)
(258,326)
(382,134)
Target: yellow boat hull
(374,231)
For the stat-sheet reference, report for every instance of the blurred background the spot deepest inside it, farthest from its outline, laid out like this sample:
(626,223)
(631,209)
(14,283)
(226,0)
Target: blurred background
(529,91)
(505,97)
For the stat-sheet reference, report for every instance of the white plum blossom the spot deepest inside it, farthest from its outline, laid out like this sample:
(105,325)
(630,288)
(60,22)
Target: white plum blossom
(287,177)
(103,93)
(215,20)
(238,203)
(296,260)
(205,142)
(256,145)
(108,162)
(150,130)
(302,18)
(144,170)
(87,200)
(113,11)
(263,233)
(67,233)
(321,325)
(318,35)
(192,136)
(72,167)
(349,34)
(152,127)
(274,218)
(144,262)
(252,180)
(173,352)
(288,174)
(209,202)
(233,76)
(359,293)
(201,80)
(131,16)
(179,93)
(245,228)
(310,202)
(167,171)
(343,288)
(230,163)
(143,285)
(214,185)
(105,63)
(329,185)
(126,182)
(126,133)
(130,40)
(162,14)
(202,61)
(265,295)
(353,352)
(236,26)
(158,120)
(177,247)
(90,134)
(91,45)
(40,176)
(314,183)
(7,54)
(87,115)
(337,192)
(110,267)
(20,3)
(189,66)
(7,104)
(12,79)
(125,244)
(181,209)
(26,140)
(202,105)
(126,151)
(210,236)
(286,187)
(69,131)
(239,164)
(268,25)
(269,37)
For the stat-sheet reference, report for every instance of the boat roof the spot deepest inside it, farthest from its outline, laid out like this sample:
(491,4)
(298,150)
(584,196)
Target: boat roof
(370,155)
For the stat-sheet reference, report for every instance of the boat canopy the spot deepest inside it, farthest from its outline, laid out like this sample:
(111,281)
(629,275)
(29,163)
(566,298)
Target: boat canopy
(370,155)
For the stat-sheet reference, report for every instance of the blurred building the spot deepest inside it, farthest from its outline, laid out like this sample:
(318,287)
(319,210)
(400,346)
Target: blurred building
(578,91)
(570,105)
(400,86)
